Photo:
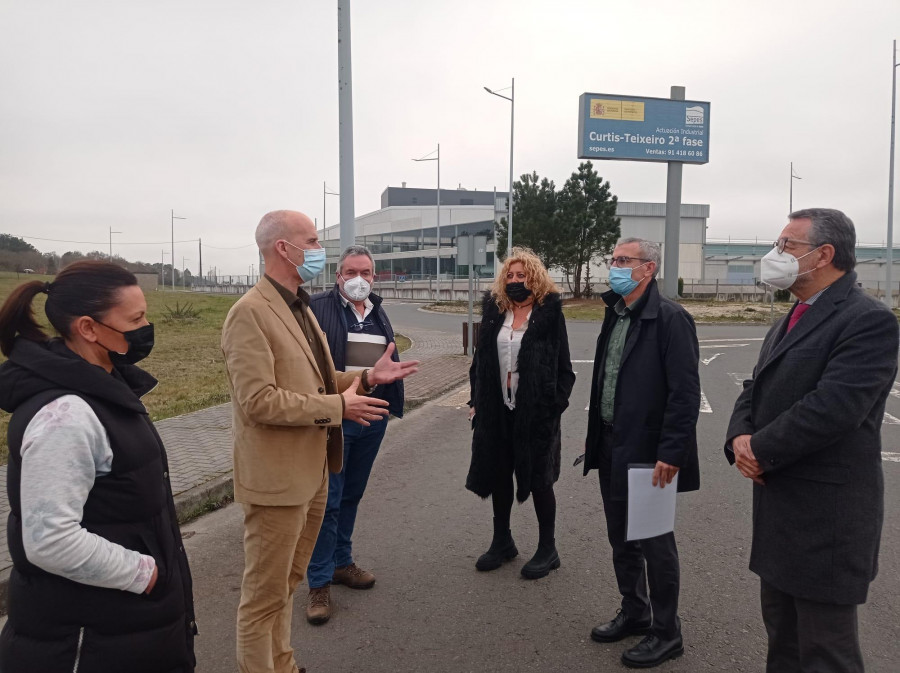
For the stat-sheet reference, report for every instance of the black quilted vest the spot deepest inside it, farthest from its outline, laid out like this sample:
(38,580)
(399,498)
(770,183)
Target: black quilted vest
(56,624)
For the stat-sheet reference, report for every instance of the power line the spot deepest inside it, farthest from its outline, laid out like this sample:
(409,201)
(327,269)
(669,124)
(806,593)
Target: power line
(237,247)
(60,240)
(121,243)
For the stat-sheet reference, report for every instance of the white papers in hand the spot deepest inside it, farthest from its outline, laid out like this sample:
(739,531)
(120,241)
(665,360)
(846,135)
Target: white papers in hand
(651,509)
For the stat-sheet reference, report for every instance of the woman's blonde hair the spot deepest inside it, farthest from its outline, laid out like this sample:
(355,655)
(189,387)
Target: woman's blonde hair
(536,278)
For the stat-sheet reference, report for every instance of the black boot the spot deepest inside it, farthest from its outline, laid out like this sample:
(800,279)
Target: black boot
(502,548)
(545,559)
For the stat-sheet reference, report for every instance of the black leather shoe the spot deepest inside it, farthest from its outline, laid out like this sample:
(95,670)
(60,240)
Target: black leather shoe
(620,627)
(545,559)
(652,651)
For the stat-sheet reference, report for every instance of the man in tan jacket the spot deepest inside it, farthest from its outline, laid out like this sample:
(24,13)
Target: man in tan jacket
(288,403)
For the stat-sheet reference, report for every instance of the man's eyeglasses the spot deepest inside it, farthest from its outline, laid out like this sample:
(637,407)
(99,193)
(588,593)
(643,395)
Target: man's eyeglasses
(784,240)
(361,326)
(623,260)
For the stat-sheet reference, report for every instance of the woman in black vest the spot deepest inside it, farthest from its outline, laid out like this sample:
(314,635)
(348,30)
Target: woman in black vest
(521,379)
(100,580)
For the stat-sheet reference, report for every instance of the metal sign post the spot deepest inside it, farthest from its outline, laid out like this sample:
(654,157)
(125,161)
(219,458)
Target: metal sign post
(471,251)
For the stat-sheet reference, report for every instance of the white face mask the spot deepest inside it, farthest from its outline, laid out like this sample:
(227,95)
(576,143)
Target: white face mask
(781,269)
(357,288)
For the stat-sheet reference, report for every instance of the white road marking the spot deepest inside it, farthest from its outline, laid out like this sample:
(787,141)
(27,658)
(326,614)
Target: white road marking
(893,457)
(705,341)
(739,378)
(895,389)
(708,360)
(704,404)
(718,345)
(891,420)
(582,362)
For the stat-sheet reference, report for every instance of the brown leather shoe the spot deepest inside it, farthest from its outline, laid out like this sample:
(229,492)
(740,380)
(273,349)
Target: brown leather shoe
(354,577)
(318,609)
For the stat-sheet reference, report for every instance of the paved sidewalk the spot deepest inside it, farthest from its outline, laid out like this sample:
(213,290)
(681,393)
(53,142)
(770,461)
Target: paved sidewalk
(199,443)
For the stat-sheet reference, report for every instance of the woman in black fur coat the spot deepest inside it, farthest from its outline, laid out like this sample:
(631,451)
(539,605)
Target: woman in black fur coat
(521,379)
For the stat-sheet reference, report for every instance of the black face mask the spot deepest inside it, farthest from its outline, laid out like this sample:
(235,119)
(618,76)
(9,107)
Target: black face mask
(517,292)
(140,343)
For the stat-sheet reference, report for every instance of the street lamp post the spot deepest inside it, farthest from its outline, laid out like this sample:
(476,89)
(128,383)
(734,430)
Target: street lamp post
(111,232)
(791,197)
(325,193)
(512,122)
(174,217)
(437,283)
(889,300)
(345,126)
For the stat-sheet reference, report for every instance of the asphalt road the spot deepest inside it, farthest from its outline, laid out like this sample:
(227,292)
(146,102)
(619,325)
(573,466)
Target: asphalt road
(420,531)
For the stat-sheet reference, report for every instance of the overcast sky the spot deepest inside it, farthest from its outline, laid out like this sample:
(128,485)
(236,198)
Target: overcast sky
(114,112)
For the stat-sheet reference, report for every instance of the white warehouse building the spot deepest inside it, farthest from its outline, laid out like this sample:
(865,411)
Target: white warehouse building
(402,236)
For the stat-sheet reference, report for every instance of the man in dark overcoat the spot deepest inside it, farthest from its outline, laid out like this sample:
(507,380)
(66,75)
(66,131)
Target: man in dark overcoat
(807,430)
(645,399)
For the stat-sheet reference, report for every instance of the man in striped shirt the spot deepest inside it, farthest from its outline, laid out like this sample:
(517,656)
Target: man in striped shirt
(358,332)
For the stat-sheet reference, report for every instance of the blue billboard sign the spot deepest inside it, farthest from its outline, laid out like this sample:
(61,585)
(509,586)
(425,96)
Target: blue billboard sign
(642,129)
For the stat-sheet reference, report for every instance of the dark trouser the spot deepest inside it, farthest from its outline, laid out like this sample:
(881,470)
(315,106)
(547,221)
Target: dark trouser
(809,637)
(504,490)
(334,547)
(653,561)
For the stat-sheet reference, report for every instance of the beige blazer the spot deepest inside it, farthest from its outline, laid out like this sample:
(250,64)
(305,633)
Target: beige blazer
(286,429)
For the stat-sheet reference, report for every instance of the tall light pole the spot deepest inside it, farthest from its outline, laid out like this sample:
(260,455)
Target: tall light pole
(326,192)
(345,126)
(791,198)
(174,217)
(111,232)
(890,232)
(437,283)
(512,123)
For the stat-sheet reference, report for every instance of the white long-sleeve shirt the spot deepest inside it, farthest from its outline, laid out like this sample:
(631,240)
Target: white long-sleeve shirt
(64,450)
(509,341)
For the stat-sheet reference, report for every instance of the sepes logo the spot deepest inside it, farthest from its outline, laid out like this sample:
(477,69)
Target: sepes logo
(693,116)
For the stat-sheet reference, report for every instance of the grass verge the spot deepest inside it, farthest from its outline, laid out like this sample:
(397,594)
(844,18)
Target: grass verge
(186,358)
(404,343)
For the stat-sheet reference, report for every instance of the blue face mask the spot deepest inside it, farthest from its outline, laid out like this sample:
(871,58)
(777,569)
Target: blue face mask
(621,282)
(313,262)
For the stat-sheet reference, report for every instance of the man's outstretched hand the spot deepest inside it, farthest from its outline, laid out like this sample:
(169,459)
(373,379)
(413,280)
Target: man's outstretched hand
(388,371)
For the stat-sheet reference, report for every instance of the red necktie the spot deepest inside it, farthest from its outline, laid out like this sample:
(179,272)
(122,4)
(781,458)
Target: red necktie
(799,310)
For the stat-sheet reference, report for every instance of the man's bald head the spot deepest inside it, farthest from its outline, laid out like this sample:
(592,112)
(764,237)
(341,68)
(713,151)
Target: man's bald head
(281,224)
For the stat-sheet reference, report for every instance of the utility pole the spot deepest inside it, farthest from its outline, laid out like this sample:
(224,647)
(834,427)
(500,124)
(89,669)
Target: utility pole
(793,177)
(174,217)
(200,264)
(111,232)
(162,268)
